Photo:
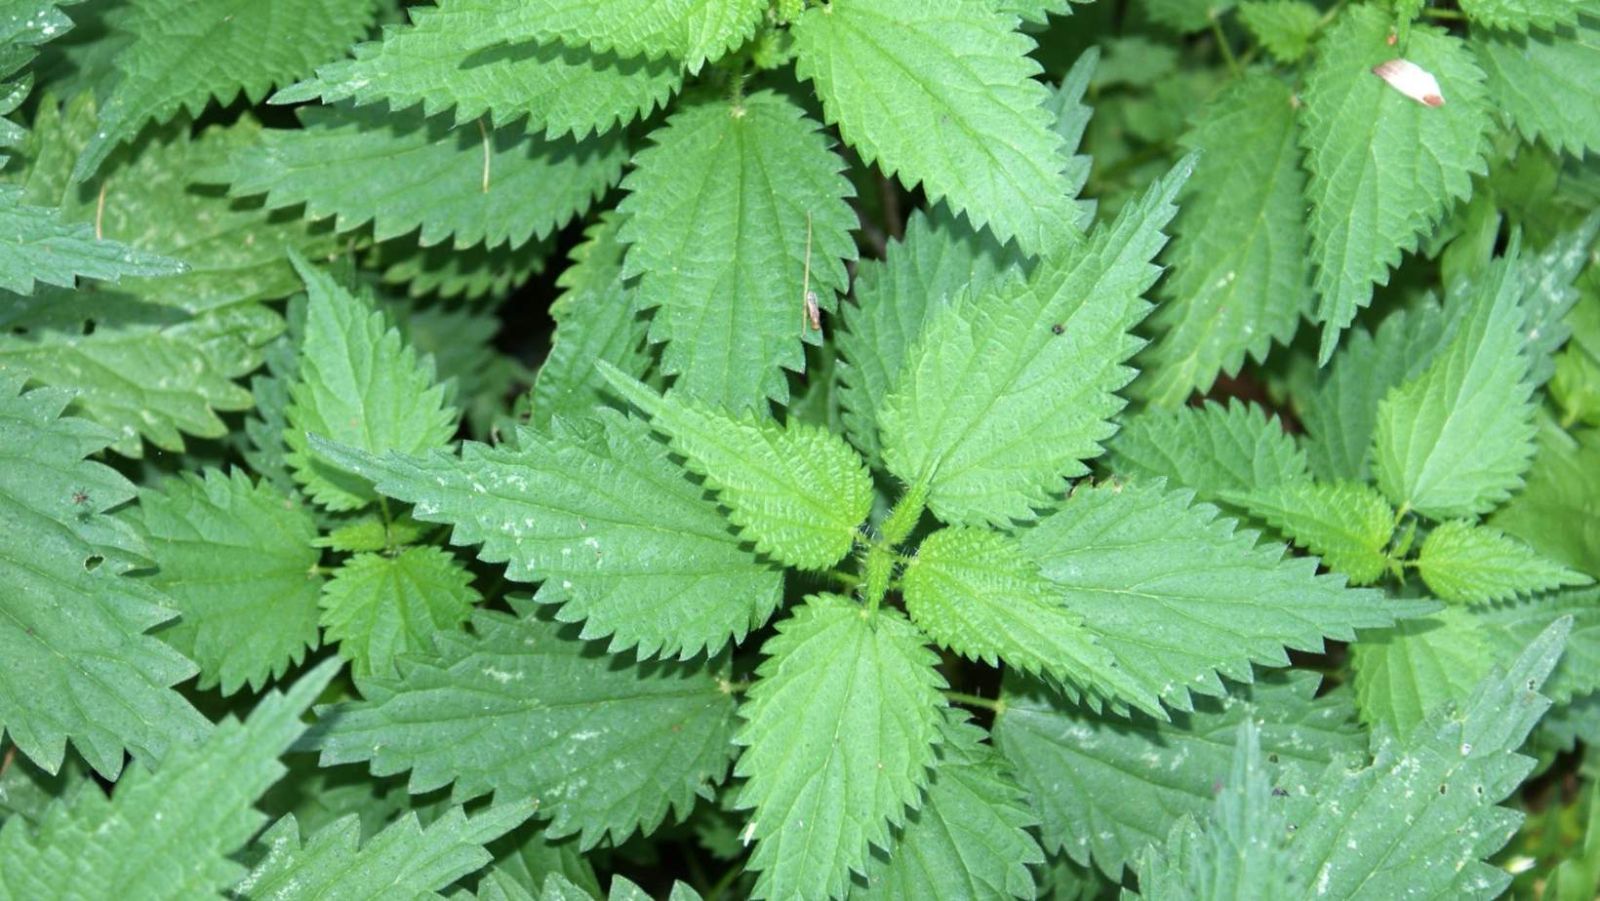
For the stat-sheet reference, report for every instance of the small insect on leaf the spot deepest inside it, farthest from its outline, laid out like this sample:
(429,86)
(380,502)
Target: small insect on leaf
(1411,80)
(812,312)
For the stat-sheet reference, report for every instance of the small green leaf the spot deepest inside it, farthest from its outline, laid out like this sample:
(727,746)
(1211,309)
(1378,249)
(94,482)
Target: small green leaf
(1469,563)
(378,607)
(1548,85)
(1285,28)
(1347,524)
(1521,15)
(1558,512)
(1210,450)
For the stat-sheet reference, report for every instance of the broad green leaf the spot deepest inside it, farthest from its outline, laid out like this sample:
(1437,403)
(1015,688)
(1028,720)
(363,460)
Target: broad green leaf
(1285,28)
(1210,450)
(734,213)
(1384,168)
(1469,563)
(923,87)
(404,172)
(1347,524)
(379,606)
(1558,512)
(181,55)
(1239,850)
(839,735)
(236,560)
(621,539)
(594,321)
(1241,278)
(404,860)
(970,836)
(37,245)
(452,58)
(1004,395)
(1548,85)
(938,258)
(1521,15)
(1340,413)
(77,662)
(977,593)
(1179,597)
(797,491)
(170,833)
(1104,787)
(1455,439)
(1421,818)
(359,384)
(602,748)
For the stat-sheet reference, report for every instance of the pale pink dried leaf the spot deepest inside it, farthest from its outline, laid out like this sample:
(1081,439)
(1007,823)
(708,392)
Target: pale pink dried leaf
(1411,80)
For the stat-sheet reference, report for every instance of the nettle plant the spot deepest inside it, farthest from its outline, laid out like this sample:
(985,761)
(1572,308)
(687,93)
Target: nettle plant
(826,551)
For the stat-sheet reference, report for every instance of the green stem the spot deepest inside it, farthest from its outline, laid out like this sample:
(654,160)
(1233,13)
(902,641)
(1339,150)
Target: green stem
(1448,15)
(880,570)
(849,581)
(959,697)
(906,513)
(723,884)
(1222,44)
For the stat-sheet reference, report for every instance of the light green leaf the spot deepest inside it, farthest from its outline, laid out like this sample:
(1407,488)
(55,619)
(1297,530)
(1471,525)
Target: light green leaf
(1210,450)
(977,593)
(1420,820)
(1178,596)
(798,491)
(1554,308)
(404,860)
(1034,11)
(1521,15)
(403,172)
(922,87)
(454,57)
(378,606)
(1548,85)
(594,321)
(969,839)
(1104,787)
(735,212)
(37,245)
(1469,563)
(1384,168)
(77,662)
(1347,524)
(839,734)
(1455,439)
(361,385)
(622,540)
(1005,395)
(1066,104)
(170,833)
(1186,16)
(919,275)
(1558,512)
(181,55)
(1285,28)
(1241,277)
(602,747)
(236,561)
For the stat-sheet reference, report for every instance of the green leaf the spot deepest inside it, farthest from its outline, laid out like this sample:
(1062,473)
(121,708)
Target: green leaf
(471,273)
(237,562)
(1455,439)
(1186,16)
(939,256)
(602,748)
(78,664)
(1285,28)
(1420,819)
(181,55)
(839,734)
(379,606)
(402,172)
(1384,168)
(1551,299)
(1347,524)
(594,321)
(1548,85)
(163,834)
(453,57)
(622,540)
(1521,15)
(1178,596)
(1105,787)
(797,491)
(977,593)
(37,245)
(462,341)
(361,385)
(404,860)
(1005,395)
(1341,411)
(1469,563)
(736,211)
(922,87)
(1558,512)
(1072,115)
(1210,450)
(969,839)
(1241,276)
